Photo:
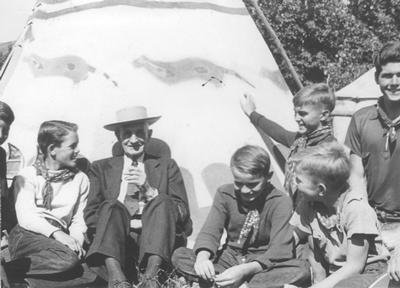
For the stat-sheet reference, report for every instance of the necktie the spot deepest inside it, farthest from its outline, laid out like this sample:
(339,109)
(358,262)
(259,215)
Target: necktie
(131,201)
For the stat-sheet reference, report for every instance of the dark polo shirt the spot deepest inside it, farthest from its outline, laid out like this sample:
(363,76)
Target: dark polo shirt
(274,242)
(366,138)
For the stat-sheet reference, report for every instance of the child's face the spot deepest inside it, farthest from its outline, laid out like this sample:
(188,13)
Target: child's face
(308,187)
(249,186)
(66,153)
(308,117)
(4,129)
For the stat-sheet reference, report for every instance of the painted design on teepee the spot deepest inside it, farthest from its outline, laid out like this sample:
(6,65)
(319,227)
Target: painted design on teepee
(53,1)
(72,67)
(186,69)
(138,3)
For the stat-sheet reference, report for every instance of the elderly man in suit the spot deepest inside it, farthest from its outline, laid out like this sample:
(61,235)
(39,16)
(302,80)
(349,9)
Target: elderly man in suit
(137,208)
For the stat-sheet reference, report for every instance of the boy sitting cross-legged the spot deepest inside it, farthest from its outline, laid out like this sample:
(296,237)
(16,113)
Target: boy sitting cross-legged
(342,227)
(259,244)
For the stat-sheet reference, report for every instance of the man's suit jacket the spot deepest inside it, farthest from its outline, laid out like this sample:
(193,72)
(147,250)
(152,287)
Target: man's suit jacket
(162,174)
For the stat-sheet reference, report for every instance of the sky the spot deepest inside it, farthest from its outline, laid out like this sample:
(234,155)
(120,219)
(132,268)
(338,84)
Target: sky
(13,16)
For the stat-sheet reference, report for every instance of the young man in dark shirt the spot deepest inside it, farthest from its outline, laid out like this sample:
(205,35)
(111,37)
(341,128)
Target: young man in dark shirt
(374,139)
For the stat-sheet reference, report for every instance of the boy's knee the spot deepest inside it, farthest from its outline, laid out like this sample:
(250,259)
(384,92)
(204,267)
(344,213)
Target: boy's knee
(178,254)
(64,261)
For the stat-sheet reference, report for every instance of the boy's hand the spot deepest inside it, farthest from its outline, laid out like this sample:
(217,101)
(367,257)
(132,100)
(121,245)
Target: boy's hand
(233,276)
(394,264)
(70,242)
(247,104)
(203,266)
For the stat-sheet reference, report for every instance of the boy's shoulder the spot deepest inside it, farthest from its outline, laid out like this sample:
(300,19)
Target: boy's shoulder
(27,171)
(227,189)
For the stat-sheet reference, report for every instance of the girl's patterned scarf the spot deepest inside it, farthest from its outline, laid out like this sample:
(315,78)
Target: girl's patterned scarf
(389,125)
(310,139)
(299,145)
(60,176)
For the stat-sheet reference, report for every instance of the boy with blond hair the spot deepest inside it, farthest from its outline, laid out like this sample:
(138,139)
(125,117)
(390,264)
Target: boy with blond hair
(312,108)
(346,247)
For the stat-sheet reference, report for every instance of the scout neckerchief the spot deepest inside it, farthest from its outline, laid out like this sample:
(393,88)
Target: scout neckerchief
(310,139)
(252,222)
(59,176)
(299,145)
(389,125)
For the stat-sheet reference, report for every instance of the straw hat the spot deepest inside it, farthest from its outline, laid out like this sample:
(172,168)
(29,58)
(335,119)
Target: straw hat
(131,115)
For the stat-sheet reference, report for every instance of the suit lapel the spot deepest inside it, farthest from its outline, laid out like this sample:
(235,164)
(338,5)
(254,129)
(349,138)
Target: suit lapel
(113,175)
(152,166)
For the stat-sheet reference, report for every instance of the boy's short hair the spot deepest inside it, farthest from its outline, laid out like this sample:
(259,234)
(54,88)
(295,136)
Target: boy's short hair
(319,93)
(327,162)
(252,160)
(52,132)
(6,113)
(390,52)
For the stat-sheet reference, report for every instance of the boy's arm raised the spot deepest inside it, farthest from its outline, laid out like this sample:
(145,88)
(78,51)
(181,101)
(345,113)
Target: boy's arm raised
(269,127)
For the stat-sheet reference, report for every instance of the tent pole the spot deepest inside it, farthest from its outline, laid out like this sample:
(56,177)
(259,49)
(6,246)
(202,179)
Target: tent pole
(276,42)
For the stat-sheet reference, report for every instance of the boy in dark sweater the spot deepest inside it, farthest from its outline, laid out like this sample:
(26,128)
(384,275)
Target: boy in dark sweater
(259,244)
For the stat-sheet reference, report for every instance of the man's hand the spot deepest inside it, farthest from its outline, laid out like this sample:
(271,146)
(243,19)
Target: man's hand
(394,264)
(203,266)
(136,175)
(233,276)
(70,242)
(247,104)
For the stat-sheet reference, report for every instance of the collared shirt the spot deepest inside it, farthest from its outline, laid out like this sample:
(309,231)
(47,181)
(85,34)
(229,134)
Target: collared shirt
(150,193)
(124,184)
(69,200)
(366,137)
(354,216)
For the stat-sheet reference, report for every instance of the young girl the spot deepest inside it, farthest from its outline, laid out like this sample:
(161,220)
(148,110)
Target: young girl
(342,227)
(51,196)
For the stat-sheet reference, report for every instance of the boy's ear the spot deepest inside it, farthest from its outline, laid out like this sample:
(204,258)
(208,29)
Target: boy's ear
(376,74)
(321,189)
(325,114)
(50,150)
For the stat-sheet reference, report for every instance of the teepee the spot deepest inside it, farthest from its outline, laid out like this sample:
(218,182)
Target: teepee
(189,61)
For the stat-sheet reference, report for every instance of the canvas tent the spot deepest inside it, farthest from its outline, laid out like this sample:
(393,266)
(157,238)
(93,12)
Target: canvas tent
(360,93)
(189,61)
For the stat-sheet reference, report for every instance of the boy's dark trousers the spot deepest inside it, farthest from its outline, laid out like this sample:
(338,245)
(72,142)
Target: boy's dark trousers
(44,262)
(294,271)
